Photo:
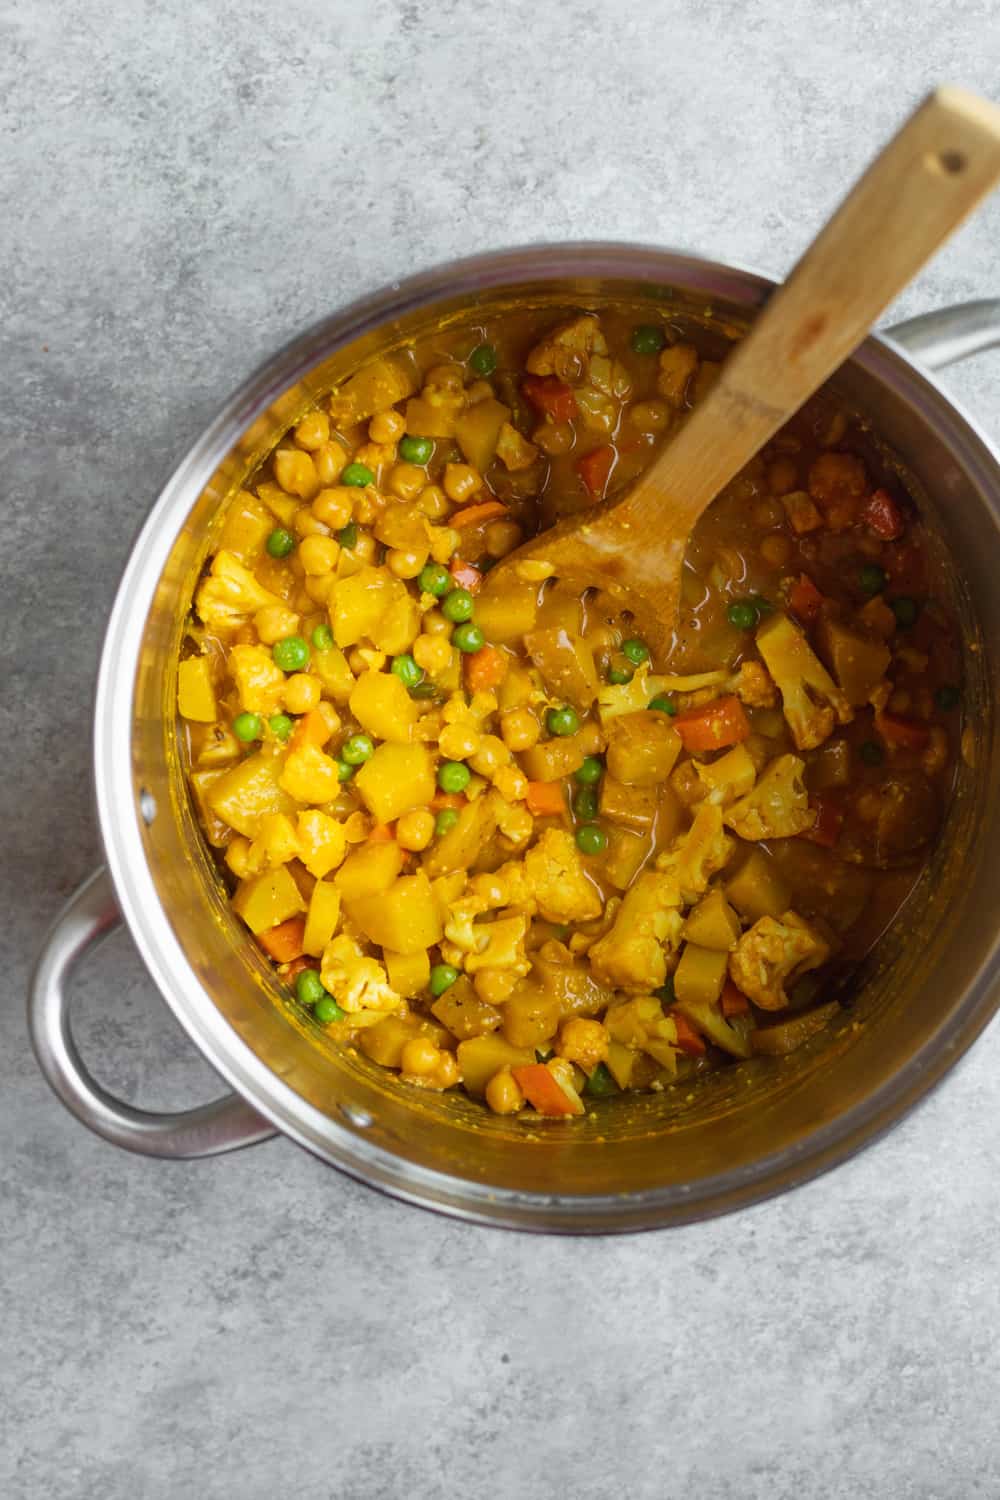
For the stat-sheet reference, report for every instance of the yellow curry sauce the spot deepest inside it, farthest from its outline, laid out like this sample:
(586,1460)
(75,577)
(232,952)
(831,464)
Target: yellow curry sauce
(482,835)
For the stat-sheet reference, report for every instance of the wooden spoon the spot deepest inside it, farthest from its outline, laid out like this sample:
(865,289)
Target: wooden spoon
(921,186)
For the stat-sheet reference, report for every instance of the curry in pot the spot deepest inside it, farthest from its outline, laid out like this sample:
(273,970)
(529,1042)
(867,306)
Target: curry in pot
(481,835)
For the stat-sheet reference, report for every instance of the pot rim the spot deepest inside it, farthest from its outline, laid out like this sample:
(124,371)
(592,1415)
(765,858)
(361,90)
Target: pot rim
(345,1145)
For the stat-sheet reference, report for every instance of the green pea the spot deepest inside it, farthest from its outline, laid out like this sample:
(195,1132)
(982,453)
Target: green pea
(357,749)
(483,359)
(458,606)
(435,579)
(636,651)
(562,721)
(344,770)
(406,669)
(446,819)
(280,726)
(309,987)
(905,609)
(453,776)
(415,450)
(647,338)
(468,637)
(871,579)
(585,804)
(291,654)
(347,536)
(326,1010)
(947,697)
(590,839)
(280,543)
(600,1083)
(443,976)
(322,637)
(247,727)
(871,753)
(618,675)
(742,614)
(663,704)
(424,690)
(357,475)
(591,771)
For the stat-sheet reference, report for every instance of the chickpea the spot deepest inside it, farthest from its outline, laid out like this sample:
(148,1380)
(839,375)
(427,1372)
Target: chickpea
(319,586)
(446,378)
(304,523)
(459,741)
(387,426)
(363,659)
(649,416)
(414,830)
(554,437)
(367,506)
(296,472)
(330,716)
(461,481)
(313,431)
(434,623)
(782,476)
(511,783)
(432,654)
(494,985)
(420,1057)
(330,460)
(274,622)
(432,502)
(447,1074)
(502,537)
(364,547)
(520,729)
(503,1093)
(301,693)
(491,755)
(479,390)
(319,554)
(407,480)
(776,550)
(404,564)
(768,513)
(334,507)
(238,856)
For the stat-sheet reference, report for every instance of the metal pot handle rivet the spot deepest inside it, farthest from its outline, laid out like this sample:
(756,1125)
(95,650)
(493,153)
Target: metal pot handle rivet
(224,1125)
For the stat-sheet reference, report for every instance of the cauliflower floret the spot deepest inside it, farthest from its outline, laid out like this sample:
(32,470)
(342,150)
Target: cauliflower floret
(513,450)
(729,777)
(514,821)
(584,1042)
(508,886)
(275,844)
(754,687)
(678,363)
(502,947)
(310,775)
(633,955)
(775,952)
(260,683)
(557,879)
(695,856)
(230,594)
(460,929)
(321,842)
(356,981)
(810,699)
(565,351)
(777,807)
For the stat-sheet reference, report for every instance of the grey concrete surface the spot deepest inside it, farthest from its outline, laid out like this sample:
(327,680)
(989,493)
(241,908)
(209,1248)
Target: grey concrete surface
(183,188)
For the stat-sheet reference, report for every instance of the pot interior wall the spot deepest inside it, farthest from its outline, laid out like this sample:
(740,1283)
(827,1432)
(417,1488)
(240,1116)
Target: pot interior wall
(732,1118)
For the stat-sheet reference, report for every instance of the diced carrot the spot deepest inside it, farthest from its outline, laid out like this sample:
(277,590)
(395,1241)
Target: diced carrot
(441,800)
(465,575)
(550,396)
(594,469)
(382,833)
(688,1040)
(312,729)
(713,725)
(829,821)
(542,1089)
(473,515)
(485,668)
(805,600)
(881,514)
(900,733)
(284,942)
(545,799)
(732,1001)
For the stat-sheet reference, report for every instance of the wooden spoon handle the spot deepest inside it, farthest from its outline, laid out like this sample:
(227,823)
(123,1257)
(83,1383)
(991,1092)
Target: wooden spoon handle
(920,187)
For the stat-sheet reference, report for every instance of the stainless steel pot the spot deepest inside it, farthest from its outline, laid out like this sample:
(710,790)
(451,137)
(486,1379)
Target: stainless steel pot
(929,992)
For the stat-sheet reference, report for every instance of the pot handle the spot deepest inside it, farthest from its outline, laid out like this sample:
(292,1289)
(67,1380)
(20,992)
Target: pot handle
(949,334)
(224,1125)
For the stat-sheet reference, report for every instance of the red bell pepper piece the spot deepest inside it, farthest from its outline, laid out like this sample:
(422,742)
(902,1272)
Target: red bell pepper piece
(713,726)
(805,600)
(465,575)
(594,469)
(688,1040)
(733,1002)
(882,515)
(550,397)
(829,821)
(900,733)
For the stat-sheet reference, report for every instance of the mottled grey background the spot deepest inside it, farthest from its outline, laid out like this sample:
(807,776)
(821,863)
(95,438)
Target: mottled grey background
(184,187)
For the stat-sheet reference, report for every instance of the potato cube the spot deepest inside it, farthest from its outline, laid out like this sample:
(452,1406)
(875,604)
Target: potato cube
(242,796)
(321,918)
(713,923)
(758,889)
(267,899)
(700,975)
(478,430)
(632,807)
(482,1056)
(381,704)
(357,603)
(195,693)
(505,618)
(396,779)
(642,748)
(405,917)
(369,870)
(409,973)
